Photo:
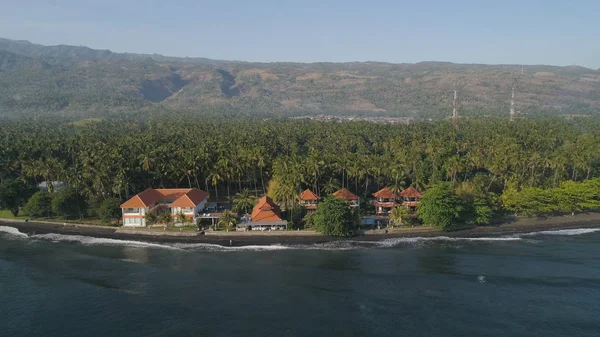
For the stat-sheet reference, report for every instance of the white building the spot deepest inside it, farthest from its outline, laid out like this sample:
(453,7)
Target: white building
(189,201)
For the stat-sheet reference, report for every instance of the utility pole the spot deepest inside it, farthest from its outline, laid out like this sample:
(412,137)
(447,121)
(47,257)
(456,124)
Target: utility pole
(512,105)
(455,105)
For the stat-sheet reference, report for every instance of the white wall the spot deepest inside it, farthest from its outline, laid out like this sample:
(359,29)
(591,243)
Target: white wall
(134,222)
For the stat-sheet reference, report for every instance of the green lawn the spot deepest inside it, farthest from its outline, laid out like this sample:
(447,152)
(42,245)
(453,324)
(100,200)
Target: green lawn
(7,214)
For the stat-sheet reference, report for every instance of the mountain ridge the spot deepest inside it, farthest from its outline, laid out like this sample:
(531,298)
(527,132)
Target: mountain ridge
(84,81)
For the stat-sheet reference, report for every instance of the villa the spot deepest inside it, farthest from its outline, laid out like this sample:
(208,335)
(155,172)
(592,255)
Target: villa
(189,201)
(309,200)
(386,200)
(345,194)
(411,198)
(266,215)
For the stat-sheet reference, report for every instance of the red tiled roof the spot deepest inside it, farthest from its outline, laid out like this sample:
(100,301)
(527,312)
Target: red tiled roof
(384,193)
(191,198)
(308,195)
(345,194)
(143,199)
(411,192)
(266,210)
(182,197)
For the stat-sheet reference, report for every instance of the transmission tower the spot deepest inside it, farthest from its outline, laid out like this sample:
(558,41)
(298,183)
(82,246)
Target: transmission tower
(455,110)
(512,105)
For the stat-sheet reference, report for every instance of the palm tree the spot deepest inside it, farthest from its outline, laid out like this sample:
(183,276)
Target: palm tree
(243,201)
(227,220)
(181,218)
(150,217)
(331,186)
(165,218)
(399,214)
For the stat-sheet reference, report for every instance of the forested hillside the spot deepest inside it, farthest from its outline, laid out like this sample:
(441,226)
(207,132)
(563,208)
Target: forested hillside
(79,81)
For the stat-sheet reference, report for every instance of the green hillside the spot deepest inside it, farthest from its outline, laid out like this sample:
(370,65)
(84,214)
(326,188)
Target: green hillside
(79,81)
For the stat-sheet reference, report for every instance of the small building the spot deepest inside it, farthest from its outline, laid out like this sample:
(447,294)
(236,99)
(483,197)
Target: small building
(266,215)
(345,194)
(385,201)
(308,200)
(51,185)
(189,201)
(410,198)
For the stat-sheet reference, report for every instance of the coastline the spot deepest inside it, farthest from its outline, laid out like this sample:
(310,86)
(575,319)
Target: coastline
(508,227)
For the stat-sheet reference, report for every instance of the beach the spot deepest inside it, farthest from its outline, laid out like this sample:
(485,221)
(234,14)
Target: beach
(507,227)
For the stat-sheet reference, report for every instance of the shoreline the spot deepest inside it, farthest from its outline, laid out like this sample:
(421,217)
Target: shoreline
(510,227)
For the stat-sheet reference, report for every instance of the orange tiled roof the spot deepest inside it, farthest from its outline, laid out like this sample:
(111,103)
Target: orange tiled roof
(191,198)
(266,210)
(384,193)
(345,194)
(143,199)
(308,195)
(411,192)
(182,197)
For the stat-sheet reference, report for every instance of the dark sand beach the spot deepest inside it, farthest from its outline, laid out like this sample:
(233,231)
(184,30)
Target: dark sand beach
(506,227)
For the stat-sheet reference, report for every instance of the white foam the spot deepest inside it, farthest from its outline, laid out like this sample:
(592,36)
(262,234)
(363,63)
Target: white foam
(215,247)
(397,241)
(88,240)
(576,231)
(12,231)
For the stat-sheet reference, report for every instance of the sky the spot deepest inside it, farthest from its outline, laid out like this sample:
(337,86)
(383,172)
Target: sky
(493,32)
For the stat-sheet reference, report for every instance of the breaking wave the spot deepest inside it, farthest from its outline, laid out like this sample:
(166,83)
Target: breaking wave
(12,231)
(568,232)
(332,245)
(90,240)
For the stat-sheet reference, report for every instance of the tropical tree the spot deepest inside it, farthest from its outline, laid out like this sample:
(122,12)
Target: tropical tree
(151,217)
(227,220)
(243,202)
(68,203)
(165,218)
(109,209)
(14,193)
(334,217)
(39,205)
(400,215)
(440,206)
(181,218)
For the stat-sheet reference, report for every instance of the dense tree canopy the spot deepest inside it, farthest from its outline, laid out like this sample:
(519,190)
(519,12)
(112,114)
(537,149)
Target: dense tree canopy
(441,207)
(334,217)
(482,158)
(39,205)
(14,194)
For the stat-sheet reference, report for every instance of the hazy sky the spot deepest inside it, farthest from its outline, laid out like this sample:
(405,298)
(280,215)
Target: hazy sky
(558,32)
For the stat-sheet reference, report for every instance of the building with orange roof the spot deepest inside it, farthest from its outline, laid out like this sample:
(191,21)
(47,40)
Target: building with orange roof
(345,194)
(411,197)
(189,201)
(385,201)
(266,215)
(308,200)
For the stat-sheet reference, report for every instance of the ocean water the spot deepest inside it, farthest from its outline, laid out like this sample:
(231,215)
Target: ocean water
(544,284)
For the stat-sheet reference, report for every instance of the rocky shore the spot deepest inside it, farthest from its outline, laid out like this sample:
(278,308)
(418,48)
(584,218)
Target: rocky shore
(506,227)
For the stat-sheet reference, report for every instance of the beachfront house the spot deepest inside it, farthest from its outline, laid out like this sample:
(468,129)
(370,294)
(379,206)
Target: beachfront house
(344,194)
(189,201)
(385,201)
(410,198)
(308,200)
(266,215)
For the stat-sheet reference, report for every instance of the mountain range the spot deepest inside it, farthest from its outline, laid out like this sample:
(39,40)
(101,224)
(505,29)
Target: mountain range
(80,81)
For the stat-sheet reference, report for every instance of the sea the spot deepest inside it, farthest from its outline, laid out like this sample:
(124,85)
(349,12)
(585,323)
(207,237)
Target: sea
(538,284)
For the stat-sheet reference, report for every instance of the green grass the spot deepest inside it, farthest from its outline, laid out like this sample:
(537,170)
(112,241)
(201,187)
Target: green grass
(7,214)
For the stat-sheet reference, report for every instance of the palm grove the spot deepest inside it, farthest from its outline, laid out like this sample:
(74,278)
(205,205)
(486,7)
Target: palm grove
(470,174)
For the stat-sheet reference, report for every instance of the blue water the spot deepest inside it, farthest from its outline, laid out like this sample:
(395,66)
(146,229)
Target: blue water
(533,285)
